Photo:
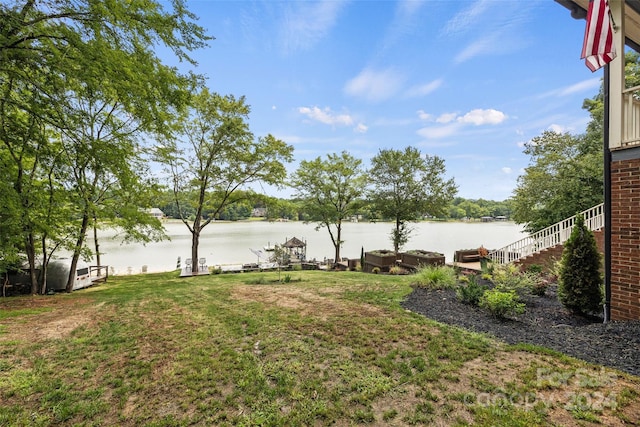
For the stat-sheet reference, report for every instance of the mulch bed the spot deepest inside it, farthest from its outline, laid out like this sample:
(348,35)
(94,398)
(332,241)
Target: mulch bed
(545,323)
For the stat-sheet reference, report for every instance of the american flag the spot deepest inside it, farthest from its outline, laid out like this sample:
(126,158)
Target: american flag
(598,49)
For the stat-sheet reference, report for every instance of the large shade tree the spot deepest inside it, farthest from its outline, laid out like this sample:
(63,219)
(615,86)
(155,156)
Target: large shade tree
(213,156)
(330,191)
(565,173)
(406,186)
(565,176)
(49,53)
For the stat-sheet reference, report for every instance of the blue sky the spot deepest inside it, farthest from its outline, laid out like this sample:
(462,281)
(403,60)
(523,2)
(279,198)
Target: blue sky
(469,81)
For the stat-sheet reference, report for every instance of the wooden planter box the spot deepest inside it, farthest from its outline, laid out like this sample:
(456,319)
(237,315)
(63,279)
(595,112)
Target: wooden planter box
(382,259)
(419,258)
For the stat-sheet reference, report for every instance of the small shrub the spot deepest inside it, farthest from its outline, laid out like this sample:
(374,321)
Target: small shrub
(501,304)
(436,277)
(287,278)
(470,292)
(539,287)
(397,270)
(580,280)
(509,277)
(534,268)
(375,270)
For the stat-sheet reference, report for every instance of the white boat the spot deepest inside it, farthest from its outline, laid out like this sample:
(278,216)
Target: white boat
(269,248)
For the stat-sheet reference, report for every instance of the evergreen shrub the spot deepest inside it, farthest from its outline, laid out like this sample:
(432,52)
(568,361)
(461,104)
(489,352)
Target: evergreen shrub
(580,279)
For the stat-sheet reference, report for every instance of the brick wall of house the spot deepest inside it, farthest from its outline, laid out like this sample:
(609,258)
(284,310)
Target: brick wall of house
(625,239)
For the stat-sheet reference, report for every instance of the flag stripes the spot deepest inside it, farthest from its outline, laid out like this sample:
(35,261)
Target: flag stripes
(598,48)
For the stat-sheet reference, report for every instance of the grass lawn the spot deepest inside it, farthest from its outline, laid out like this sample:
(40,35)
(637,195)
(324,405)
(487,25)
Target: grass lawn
(244,349)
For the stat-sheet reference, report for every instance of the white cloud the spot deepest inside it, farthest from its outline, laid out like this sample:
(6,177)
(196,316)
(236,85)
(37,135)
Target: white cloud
(453,122)
(422,115)
(583,86)
(306,23)
(490,28)
(557,128)
(463,21)
(375,85)
(326,116)
(483,117)
(439,131)
(424,89)
(446,117)
(507,170)
(361,128)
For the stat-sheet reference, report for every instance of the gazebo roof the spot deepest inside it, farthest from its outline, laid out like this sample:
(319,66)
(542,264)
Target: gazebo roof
(294,242)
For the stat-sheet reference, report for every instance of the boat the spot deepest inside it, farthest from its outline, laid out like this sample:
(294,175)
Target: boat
(269,248)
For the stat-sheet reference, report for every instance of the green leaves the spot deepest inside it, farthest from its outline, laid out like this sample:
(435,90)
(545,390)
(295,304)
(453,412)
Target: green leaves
(407,186)
(565,176)
(330,190)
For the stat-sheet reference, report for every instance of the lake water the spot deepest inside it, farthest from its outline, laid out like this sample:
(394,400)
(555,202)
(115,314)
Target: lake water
(231,242)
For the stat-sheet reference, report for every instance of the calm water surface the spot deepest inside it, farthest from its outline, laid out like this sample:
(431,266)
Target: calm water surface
(231,242)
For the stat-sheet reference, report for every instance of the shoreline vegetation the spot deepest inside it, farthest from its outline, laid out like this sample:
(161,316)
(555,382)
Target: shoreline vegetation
(255,349)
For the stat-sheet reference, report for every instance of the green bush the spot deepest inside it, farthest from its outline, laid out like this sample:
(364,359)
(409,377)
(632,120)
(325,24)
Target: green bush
(539,287)
(375,270)
(501,304)
(580,280)
(471,291)
(509,277)
(535,269)
(436,277)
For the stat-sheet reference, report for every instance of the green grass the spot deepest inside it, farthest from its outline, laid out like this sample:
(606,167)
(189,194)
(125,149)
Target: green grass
(246,349)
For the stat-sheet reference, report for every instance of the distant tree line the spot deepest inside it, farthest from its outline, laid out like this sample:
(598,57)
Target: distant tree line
(292,209)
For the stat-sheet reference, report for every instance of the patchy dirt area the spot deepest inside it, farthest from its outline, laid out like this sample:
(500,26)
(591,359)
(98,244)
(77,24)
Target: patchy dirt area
(305,302)
(56,316)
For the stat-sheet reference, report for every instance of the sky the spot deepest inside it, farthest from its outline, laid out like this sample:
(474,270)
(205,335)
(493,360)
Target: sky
(470,81)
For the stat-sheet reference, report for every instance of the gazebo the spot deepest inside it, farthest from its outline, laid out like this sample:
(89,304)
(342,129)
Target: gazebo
(297,249)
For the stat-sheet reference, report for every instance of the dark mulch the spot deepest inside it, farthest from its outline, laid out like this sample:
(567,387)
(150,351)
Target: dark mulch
(545,323)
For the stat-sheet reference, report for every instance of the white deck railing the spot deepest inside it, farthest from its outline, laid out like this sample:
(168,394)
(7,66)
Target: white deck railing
(549,237)
(631,117)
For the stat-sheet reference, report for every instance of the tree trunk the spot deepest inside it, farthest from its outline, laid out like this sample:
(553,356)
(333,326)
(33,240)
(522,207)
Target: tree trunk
(396,238)
(31,258)
(95,240)
(76,252)
(195,241)
(337,244)
(43,268)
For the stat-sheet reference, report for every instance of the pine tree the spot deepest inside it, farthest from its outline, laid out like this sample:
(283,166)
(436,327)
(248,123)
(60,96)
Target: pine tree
(580,281)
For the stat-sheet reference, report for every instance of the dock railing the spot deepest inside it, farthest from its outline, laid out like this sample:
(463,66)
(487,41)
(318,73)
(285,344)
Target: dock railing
(551,236)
